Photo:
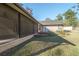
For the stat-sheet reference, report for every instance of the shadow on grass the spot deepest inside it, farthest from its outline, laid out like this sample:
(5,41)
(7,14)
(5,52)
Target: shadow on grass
(57,39)
(52,37)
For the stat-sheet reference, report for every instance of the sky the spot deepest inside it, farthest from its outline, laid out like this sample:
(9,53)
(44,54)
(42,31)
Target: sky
(41,11)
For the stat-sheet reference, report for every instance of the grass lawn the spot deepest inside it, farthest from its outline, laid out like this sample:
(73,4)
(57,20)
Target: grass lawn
(51,45)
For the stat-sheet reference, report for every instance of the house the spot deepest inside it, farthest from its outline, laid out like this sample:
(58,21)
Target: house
(40,27)
(49,25)
(16,22)
(53,26)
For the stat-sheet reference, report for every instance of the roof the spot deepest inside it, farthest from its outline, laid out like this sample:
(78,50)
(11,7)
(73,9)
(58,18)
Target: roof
(18,8)
(51,23)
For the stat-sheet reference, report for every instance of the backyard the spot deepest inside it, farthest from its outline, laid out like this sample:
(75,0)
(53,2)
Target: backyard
(52,44)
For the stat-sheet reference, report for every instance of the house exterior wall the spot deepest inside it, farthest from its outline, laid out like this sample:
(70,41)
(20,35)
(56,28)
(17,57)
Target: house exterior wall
(8,22)
(26,26)
(55,28)
(35,28)
(13,24)
(50,28)
(40,28)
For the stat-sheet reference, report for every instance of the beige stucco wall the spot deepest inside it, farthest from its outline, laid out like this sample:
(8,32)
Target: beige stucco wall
(50,28)
(55,28)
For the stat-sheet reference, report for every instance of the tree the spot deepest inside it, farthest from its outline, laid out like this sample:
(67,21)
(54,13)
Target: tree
(59,17)
(70,18)
(21,4)
(48,20)
(76,8)
(29,10)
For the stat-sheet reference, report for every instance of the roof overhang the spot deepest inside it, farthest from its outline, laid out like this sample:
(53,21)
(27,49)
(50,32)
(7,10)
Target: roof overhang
(21,10)
(53,25)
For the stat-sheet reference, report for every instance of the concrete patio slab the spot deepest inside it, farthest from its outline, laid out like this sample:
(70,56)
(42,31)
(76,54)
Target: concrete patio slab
(6,46)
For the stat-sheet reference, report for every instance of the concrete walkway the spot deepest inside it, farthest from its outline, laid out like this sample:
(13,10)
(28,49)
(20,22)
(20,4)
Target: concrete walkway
(6,40)
(6,46)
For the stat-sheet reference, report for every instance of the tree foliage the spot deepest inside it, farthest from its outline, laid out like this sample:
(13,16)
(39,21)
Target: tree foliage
(76,8)
(70,18)
(48,19)
(59,17)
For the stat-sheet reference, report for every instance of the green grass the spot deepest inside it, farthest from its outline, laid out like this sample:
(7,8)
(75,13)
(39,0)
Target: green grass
(51,45)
